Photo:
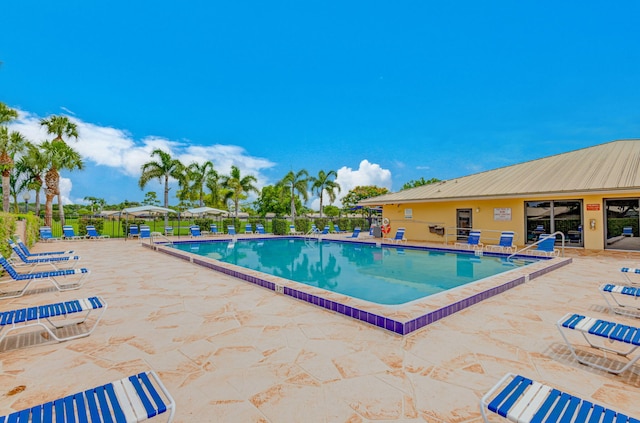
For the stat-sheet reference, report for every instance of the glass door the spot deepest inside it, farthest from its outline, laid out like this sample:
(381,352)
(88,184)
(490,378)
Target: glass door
(464,223)
(621,227)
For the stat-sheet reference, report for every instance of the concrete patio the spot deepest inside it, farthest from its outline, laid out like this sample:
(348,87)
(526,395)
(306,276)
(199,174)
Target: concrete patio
(229,351)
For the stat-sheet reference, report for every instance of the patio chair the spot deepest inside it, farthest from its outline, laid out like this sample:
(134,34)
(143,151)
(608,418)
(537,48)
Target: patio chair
(260,229)
(231,230)
(627,231)
(53,317)
(213,229)
(473,241)
(325,230)
(70,234)
(19,258)
(28,253)
(293,231)
(168,230)
(46,234)
(145,232)
(248,229)
(399,237)
(92,233)
(131,399)
(337,230)
(505,245)
(624,299)
(194,230)
(356,232)
(52,276)
(134,232)
(546,246)
(517,398)
(602,335)
(626,271)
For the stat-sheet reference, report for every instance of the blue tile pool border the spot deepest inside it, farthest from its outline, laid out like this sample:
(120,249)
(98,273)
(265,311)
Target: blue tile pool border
(386,323)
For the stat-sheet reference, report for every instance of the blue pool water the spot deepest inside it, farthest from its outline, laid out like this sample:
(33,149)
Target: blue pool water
(383,275)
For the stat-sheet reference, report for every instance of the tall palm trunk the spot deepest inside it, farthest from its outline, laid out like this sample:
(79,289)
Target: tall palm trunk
(6,163)
(293,206)
(52,179)
(60,209)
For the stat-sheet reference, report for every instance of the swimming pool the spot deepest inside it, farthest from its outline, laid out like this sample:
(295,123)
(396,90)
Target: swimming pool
(380,274)
(401,319)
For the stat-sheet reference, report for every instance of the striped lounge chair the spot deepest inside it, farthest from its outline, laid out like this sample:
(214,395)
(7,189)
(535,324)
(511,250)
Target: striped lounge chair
(624,299)
(597,332)
(131,399)
(53,276)
(28,253)
(56,261)
(626,271)
(52,317)
(519,399)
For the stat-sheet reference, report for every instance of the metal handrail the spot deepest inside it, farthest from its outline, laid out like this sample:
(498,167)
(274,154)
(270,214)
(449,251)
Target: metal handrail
(538,242)
(483,232)
(159,235)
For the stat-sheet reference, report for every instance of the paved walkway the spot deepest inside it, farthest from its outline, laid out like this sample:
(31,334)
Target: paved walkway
(232,352)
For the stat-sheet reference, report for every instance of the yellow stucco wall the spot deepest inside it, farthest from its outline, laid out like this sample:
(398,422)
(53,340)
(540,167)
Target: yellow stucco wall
(444,215)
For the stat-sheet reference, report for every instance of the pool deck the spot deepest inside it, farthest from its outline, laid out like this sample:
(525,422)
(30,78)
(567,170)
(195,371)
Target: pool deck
(230,351)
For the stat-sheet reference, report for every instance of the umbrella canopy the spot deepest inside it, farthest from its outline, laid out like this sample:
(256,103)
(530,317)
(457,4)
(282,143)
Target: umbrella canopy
(147,210)
(207,210)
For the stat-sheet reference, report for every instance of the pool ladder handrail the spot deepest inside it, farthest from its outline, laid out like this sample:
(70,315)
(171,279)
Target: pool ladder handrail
(528,247)
(154,235)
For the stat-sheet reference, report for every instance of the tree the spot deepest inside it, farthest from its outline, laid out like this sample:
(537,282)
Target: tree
(58,126)
(324,183)
(419,182)
(10,144)
(296,182)
(216,199)
(59,156)
(93,201)
(331,211)
(151,199)
(238,186)
(166,167)
(199,174)
(359,193)
(32,165)
(7,114)
(274,199)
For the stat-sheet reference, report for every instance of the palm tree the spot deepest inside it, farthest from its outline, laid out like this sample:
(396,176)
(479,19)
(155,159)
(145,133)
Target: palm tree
(58,126)
(213,184)
(7,114)
(59,156)
(296,182)
(237,186)
(323,183)
(32,165)
(10,144)
(166,167)
(198,174)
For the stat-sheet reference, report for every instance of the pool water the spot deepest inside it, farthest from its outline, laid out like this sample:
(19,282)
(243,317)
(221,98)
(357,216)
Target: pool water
(383,275)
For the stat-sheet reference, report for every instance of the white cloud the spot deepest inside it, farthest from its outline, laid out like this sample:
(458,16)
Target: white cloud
(366,174)
(116,148)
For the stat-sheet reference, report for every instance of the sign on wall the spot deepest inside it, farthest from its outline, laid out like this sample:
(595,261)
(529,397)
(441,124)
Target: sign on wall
(593,207)
(502,213)
(408,213)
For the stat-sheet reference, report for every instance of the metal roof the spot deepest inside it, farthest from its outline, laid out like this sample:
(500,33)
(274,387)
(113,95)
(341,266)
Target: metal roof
(610,167)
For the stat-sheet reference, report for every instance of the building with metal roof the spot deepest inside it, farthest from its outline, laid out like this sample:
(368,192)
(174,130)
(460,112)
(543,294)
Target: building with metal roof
(589,195)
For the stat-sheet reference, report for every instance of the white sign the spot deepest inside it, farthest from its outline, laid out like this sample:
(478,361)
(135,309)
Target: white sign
(502,213)
(408,213)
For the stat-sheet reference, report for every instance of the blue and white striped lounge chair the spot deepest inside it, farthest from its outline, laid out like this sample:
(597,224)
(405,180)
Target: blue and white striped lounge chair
(46,234)
(598,331)
(293,231)
(519,399)
(336,229)
(132,399)
(134,232)
(28,253)
(325,230)
(92,233)
(145,232)
(51,276)
(248,229)
(505,245)
(231,230)
(194,230)
(473,241)
(213,229)
(52,317)
(69,234)
(546,246)
(356,232)
(624,299)
(627,231)
(399,237)
(626,271)
(55,261)
(260,229)
(168,230)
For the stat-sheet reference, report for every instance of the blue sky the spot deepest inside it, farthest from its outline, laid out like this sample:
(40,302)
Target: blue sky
(381,92)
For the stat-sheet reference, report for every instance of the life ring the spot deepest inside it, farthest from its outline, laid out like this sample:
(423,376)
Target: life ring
(386,227)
